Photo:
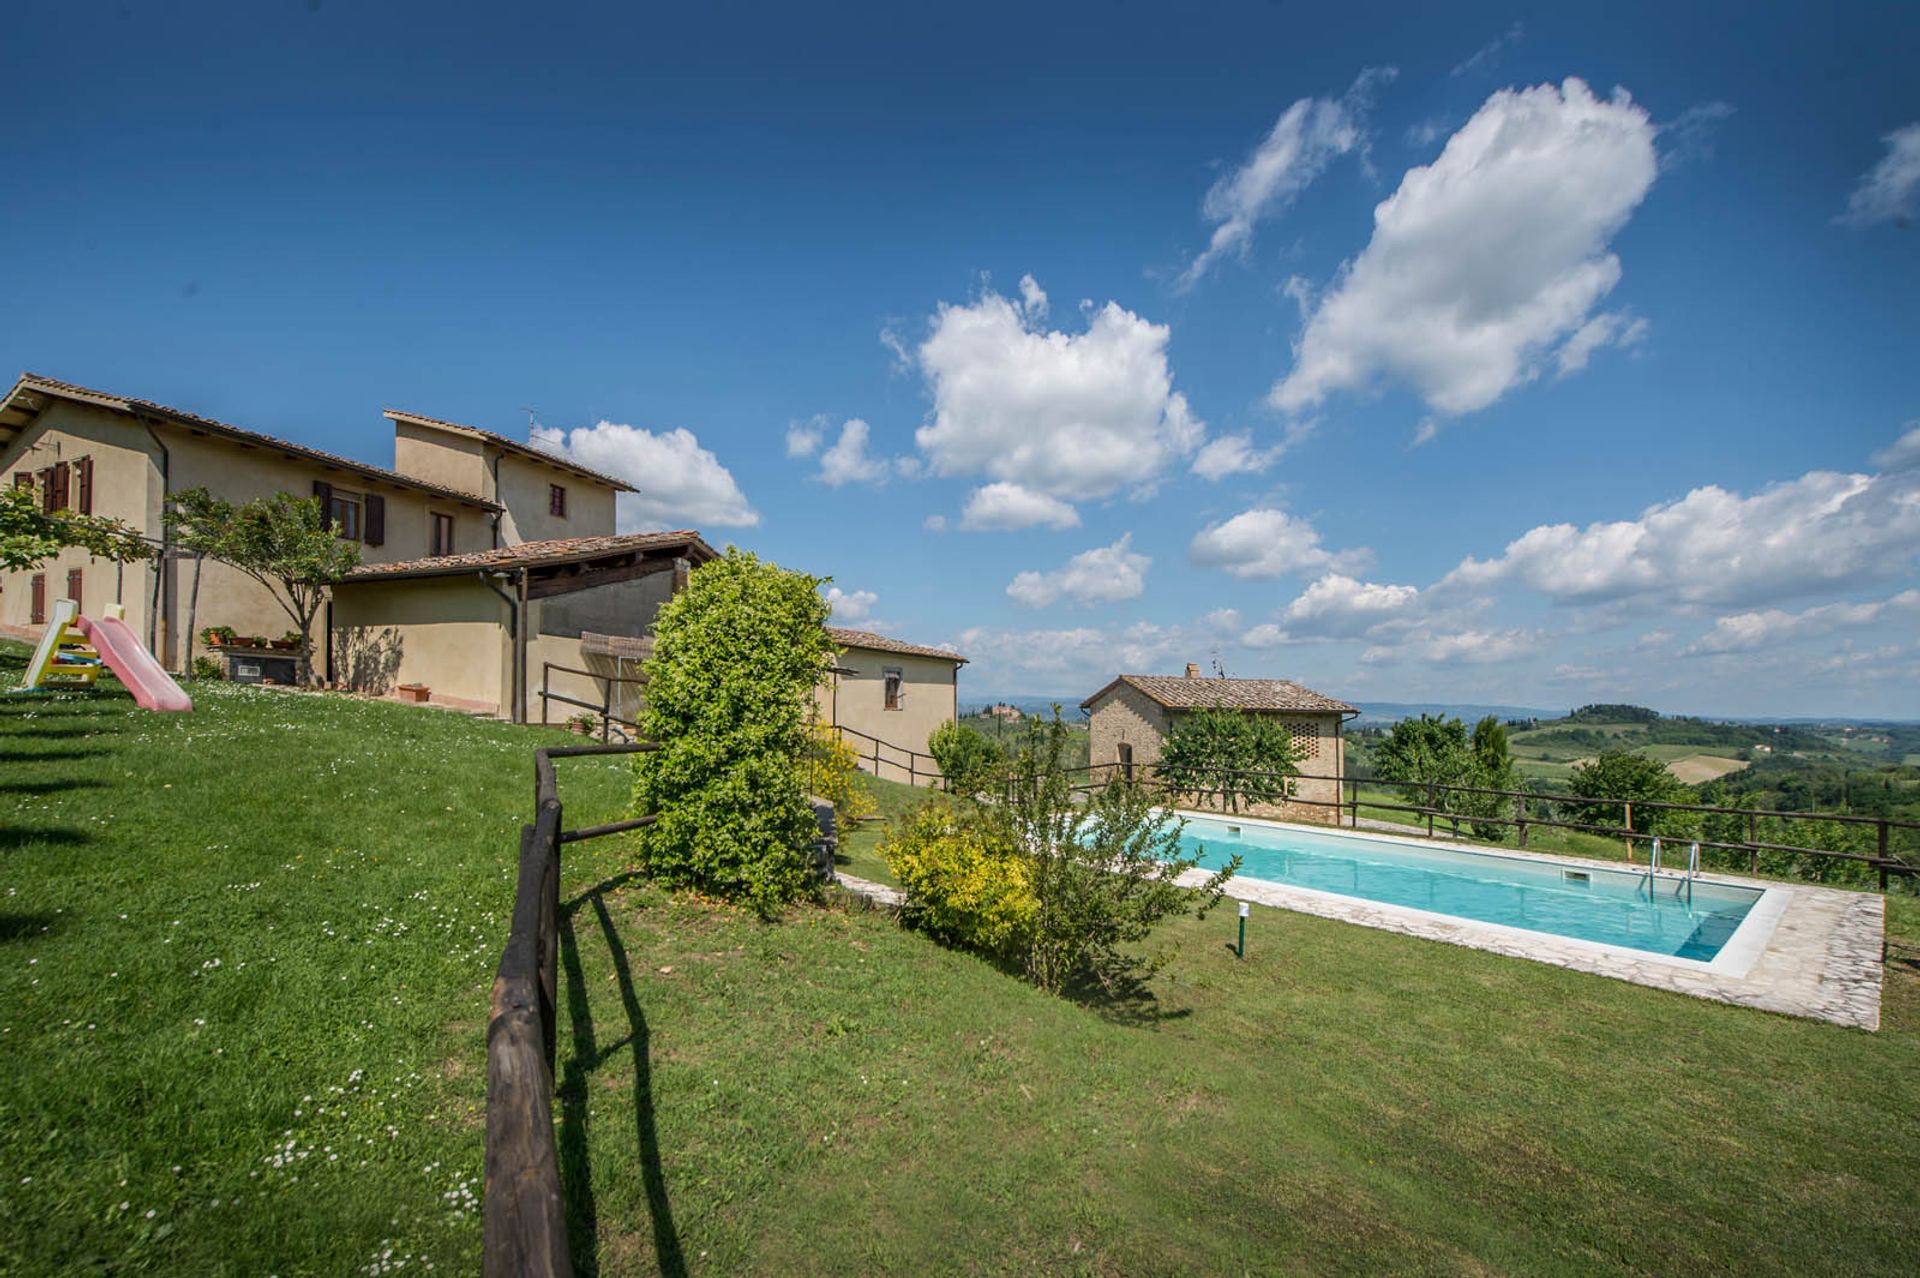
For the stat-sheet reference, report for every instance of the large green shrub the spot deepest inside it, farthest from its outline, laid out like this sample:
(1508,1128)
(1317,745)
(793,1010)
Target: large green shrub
(737,657)
(969,762)
(966,882)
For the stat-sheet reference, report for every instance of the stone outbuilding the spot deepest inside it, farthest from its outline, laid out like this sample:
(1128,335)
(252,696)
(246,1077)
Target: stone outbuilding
(1130,719)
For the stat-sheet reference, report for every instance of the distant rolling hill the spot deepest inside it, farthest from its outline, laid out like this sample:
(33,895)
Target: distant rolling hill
(1374,713)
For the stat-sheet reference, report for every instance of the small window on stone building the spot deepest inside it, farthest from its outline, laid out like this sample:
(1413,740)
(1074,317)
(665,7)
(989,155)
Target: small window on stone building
(895,688)
(557,500)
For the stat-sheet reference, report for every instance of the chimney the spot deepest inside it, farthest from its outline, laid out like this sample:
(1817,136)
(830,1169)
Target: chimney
(1193,670)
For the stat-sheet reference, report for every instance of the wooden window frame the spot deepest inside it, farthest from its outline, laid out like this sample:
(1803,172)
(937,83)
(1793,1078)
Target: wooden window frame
(347,514)
(893,688)
(37,600)
(557,500)
(439,534)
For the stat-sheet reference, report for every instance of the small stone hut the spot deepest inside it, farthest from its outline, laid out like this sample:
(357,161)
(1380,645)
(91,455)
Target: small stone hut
(1131,718)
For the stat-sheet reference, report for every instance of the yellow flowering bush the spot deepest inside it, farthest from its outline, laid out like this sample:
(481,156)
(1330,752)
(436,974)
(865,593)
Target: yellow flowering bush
(833,774)
(965,881)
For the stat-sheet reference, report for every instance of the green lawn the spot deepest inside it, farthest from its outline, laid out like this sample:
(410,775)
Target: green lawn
(826,1094)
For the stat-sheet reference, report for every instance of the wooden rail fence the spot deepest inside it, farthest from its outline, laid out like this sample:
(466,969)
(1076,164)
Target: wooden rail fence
(525,1225)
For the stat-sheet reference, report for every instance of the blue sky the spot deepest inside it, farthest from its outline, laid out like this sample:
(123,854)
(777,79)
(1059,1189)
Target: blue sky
(1606,401)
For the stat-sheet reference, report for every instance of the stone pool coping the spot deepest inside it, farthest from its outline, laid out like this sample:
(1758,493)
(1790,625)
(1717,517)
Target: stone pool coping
(1811,951)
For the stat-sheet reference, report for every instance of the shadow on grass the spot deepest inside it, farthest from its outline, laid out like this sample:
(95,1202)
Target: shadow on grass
(45,756)
(21,927)
(12,838)
(576,1164)
(1127,999)
(48,787)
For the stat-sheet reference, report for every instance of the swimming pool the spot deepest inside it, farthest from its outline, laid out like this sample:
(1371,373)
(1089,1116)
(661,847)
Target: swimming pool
(1588,903)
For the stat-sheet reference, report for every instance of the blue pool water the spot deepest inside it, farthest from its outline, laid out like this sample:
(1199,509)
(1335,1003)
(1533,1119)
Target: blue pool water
(1611,906)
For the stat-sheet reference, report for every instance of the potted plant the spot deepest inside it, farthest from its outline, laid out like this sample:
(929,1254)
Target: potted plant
(581,724)
(288,642)
(216,636)
(416,692)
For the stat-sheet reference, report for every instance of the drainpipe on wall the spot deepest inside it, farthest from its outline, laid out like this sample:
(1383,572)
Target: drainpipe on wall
(516,633)
(161,562)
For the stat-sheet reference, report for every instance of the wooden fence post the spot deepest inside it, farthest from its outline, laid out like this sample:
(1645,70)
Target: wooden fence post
(1430,805)
(1520,818)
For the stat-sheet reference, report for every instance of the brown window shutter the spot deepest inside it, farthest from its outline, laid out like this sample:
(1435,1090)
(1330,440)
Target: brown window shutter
(62,485)
(45,480)
(23,479)
(74,582)
(37,596)
(84,467)
(376,520)
(323,493)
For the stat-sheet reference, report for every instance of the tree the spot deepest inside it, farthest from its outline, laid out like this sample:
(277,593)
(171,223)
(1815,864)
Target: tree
(1231,755)
(1430,750)
(1102,876)
(285,543)
(737,658)
(1493,769)
(31,535)
(968,760)
(1621,776)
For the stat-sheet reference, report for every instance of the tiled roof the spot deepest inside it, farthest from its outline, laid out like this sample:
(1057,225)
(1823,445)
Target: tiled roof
(514,446)
(193,421)
(535,554)
(1177,692)
(881,643)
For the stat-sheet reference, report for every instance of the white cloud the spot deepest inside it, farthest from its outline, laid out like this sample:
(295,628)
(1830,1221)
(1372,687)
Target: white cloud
(1886,191)
(1486,258)
(1264,542)
(1080,658)
(1488,54)
(1824,531)
(1105,574)
(1005,507)
(1033,300)
(1610,328)
(1235,454)
(1456,648)
(803,438)
(1308,136)
(681,484)
(846,460)
(851,607)
(1336,604)
(1748,631)
(1072,415)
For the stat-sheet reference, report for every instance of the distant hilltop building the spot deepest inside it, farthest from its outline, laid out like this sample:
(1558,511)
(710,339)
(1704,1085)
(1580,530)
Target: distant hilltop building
(1001,710)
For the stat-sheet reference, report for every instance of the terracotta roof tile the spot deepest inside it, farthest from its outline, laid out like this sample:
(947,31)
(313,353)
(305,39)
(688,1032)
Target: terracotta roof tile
(194,421)
(522,447)
(534,554)
(1177,692)
(881,643)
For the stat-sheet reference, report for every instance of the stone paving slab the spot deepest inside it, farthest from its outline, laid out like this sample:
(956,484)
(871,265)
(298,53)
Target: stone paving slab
(878,893)
(1820,959)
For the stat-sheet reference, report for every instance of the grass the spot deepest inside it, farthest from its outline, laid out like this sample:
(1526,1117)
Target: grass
(245,956)
(828,1093)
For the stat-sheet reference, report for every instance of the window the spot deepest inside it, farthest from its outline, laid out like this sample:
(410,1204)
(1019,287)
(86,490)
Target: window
(73,588)
(345,509)
(896,695)
(1126,760)
(556,500)
(442,533)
